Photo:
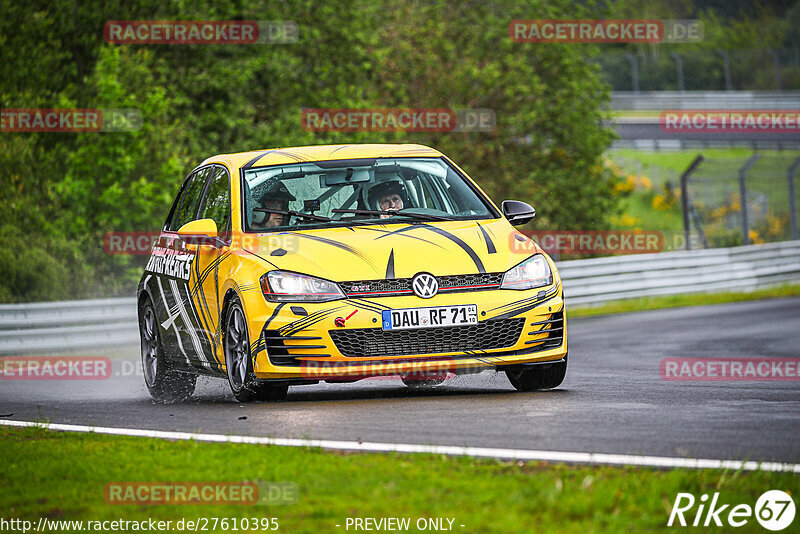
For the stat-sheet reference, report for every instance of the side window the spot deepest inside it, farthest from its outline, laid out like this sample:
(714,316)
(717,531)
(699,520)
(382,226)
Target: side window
(186,210)
(217,203)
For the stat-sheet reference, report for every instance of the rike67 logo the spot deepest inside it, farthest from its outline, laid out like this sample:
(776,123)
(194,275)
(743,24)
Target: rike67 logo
(774,510)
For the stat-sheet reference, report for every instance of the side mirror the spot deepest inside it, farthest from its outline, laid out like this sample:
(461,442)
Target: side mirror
(199,232)
(517,212)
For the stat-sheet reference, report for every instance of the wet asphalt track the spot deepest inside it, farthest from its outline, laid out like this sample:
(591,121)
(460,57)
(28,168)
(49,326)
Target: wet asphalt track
(612,401)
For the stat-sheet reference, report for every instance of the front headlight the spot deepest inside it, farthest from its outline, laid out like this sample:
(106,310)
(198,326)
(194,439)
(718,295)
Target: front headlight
(531,273)
(282,286)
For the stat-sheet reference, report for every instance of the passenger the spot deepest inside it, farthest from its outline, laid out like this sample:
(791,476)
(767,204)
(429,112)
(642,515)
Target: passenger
(277,197)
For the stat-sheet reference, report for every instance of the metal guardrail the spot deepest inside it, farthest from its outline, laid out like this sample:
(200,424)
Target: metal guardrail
(746,268)
(68,325)
(653,139)
(661,100)
(83,324)
(672,145)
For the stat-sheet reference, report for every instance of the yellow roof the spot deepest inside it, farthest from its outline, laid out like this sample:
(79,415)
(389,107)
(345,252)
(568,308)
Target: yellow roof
(279,156)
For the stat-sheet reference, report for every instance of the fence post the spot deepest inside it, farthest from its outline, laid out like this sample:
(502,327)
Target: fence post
(792,204)
(727,65)
(698,224)
(777,61)
(685,199)
(743,197)
(679,66)
(634,71)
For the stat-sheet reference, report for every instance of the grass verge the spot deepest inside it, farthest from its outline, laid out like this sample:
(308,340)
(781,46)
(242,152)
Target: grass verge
(679,301)
(679,160)
(63,476)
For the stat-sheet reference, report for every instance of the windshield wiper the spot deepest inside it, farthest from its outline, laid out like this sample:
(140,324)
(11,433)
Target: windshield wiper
(423,216)
(293,213)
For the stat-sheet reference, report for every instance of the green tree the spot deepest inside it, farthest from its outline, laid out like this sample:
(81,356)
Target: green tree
(62,192)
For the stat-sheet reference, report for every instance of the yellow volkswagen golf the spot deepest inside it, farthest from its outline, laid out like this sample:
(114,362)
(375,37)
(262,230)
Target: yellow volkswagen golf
(291,266)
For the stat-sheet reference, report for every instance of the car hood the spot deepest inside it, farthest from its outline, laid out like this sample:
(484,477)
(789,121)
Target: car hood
(398,250)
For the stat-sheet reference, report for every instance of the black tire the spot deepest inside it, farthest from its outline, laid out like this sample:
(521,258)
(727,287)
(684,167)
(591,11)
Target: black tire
(238,363)
(538,377)
(164,383)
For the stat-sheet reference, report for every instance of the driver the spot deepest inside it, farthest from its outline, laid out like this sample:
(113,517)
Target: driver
(388,196)
(276,197)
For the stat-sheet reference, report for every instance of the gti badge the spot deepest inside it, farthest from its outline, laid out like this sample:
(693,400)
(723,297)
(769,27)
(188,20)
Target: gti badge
(424,285)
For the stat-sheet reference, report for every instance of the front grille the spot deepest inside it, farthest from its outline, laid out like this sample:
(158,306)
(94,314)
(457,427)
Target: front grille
(370,342)
(402,286)
(553,327)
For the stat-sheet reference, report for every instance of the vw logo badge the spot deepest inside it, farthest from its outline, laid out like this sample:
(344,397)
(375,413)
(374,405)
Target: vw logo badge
(424,285)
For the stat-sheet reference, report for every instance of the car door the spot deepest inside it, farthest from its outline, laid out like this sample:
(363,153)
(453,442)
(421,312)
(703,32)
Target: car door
(174,265)
(216,205)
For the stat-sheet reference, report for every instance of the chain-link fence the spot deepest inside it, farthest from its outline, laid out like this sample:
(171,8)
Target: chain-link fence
(703,70)
(735,201)
(655,174)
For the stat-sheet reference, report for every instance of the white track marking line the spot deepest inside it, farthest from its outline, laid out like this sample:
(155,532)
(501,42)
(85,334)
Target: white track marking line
(479,452)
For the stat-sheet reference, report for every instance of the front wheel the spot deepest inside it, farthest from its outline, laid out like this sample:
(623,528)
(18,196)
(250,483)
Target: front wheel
(538,377)
(238,363)
(164,384)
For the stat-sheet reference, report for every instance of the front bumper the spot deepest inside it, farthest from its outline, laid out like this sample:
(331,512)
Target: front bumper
(303,341)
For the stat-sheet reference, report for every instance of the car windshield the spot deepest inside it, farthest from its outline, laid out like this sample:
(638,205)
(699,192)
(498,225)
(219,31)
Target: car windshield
(363,191)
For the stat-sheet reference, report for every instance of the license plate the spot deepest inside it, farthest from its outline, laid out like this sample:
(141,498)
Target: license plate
(406,318)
